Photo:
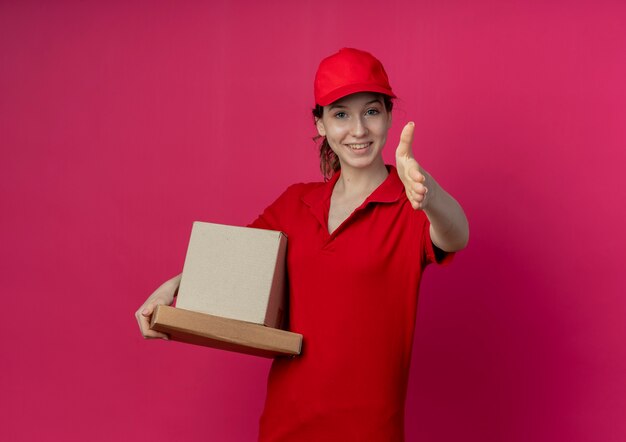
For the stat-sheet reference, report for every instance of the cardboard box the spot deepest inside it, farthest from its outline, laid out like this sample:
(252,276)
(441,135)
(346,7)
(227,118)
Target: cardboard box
(226,334)
(235,272)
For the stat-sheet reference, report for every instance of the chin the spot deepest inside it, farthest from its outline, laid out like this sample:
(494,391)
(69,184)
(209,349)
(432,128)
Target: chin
(362,163)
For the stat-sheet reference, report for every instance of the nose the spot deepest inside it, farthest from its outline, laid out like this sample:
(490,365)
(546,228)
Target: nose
(358,128)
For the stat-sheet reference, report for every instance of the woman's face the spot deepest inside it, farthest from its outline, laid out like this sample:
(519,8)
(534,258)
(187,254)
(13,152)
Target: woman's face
(356,129)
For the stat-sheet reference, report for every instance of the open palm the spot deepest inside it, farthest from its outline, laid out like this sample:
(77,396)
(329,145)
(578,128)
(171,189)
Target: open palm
(409,171)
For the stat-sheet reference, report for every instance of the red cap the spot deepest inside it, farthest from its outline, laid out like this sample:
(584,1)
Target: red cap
(347,72)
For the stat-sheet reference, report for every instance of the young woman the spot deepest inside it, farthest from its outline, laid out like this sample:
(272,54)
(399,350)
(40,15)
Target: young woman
(358,244)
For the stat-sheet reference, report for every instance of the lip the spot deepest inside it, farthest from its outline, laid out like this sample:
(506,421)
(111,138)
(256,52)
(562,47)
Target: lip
(358,147)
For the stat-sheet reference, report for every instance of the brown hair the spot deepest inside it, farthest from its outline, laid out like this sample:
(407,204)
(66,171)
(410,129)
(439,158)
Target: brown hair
(329,163)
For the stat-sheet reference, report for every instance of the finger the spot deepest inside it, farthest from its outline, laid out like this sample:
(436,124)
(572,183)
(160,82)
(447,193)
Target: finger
(146,309)
(153,334)
(416,199)
(419,188)
(416,175)
(149,308)
(144,325)
(406,140)
(143,322)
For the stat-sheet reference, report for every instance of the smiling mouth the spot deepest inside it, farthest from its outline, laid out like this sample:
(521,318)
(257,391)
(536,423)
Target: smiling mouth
(359,146)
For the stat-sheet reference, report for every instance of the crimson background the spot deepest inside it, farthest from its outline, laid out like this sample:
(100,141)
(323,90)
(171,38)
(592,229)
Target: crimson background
(123,122)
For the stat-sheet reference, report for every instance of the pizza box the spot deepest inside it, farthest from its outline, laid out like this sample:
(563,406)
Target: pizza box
(224,333)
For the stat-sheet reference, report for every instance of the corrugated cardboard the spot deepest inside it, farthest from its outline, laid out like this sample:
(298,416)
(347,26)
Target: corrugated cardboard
(235,272)
(226,334)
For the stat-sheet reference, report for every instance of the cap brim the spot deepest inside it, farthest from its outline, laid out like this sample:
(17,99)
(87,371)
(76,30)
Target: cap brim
(353,89)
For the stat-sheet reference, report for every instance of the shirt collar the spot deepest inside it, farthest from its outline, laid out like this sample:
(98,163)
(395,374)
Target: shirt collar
(389,190)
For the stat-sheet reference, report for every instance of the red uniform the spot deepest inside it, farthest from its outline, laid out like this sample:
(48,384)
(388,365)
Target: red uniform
(353,296)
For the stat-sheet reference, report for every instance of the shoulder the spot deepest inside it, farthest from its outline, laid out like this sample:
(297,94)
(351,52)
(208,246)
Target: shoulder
(288,206)
(299,191)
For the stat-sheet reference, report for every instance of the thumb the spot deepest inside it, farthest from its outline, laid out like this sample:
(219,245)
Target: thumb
(147,311)
(406,140)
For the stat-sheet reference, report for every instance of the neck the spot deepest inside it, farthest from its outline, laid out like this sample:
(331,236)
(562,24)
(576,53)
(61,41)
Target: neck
(354,182)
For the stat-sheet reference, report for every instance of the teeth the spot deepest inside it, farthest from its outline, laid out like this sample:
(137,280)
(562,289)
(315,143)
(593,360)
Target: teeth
(358,146)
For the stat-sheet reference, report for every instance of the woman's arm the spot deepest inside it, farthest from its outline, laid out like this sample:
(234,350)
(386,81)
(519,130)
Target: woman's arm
(449,229)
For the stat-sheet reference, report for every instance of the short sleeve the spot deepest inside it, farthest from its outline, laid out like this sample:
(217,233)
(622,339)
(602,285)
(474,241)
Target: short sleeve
(276,215)
(433,254)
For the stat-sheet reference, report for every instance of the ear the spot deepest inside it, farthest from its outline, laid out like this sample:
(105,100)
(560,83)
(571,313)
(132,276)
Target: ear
(320,127)
(389,120)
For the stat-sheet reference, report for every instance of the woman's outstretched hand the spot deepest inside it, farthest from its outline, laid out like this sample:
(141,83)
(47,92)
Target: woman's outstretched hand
(413,177)
(164,295)
(449,229)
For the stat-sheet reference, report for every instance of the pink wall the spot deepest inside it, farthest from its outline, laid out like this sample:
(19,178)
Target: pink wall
(120,125)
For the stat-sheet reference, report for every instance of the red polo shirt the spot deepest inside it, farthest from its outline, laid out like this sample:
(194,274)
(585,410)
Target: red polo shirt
(353,296)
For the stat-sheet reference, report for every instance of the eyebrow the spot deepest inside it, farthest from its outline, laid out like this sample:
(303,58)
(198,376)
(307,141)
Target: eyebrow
(375,100)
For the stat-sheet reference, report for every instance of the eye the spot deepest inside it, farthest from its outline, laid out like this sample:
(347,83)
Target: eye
(341,114)
(372,111)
